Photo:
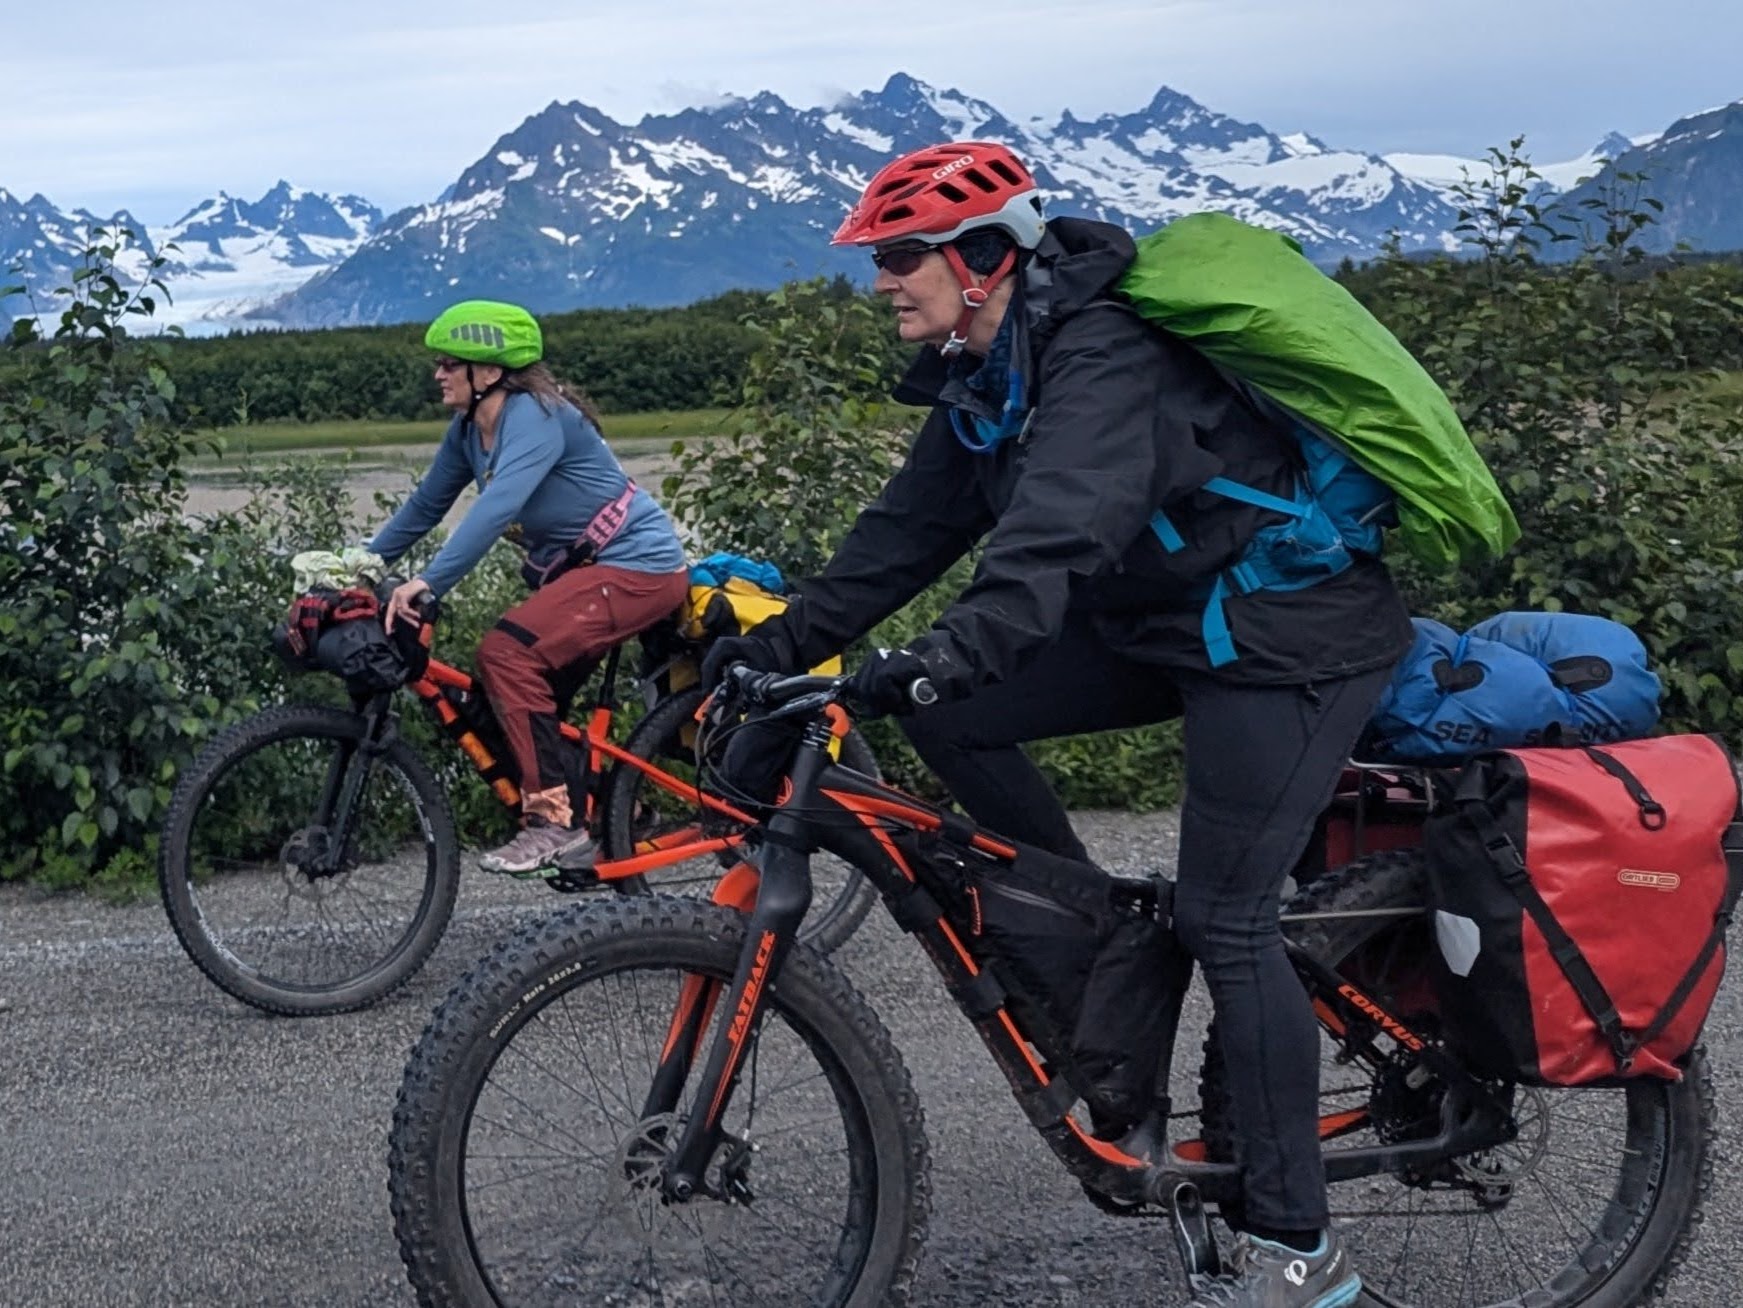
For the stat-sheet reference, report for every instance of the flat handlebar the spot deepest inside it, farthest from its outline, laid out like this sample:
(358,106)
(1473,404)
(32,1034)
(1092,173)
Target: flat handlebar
(772,689)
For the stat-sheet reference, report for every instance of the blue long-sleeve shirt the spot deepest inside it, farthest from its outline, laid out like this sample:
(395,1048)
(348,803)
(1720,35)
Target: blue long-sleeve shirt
(542,481)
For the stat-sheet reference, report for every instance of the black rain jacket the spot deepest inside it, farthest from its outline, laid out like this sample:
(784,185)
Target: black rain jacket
(1125,419)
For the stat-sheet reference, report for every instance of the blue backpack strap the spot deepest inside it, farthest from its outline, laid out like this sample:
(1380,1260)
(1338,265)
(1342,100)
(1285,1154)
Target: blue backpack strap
(1170,536)
(1219,641)
(1234,490)
(1166,532)
(1240,579)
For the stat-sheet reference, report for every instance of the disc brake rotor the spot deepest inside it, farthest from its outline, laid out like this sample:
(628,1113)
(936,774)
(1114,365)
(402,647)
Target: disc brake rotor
(1495,1173)
(303,860)
(646,1214)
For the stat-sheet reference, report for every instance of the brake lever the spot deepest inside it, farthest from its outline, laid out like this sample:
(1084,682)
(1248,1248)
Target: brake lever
(815,702)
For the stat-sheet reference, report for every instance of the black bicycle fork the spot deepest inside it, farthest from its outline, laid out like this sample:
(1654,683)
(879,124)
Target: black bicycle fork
(783,895)
(347,773)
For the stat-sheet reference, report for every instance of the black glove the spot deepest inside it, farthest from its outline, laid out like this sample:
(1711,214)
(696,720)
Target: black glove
(895,681)
(762,650)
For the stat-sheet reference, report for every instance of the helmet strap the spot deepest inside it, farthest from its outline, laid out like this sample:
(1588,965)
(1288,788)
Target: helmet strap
(478,396)
(973,297)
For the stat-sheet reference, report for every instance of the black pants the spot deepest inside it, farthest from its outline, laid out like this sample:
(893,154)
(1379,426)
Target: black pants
(1261,765)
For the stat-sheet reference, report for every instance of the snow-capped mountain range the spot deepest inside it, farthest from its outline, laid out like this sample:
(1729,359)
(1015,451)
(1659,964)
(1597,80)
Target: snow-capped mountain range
(224,259)
(1445,171)
(572,208)
(1695,169)
(232,257)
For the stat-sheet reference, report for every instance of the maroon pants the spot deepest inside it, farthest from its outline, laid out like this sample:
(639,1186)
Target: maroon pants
(540,653)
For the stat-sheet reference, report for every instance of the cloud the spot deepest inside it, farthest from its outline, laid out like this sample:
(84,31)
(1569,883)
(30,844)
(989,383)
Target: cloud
(393,98)
(673,96)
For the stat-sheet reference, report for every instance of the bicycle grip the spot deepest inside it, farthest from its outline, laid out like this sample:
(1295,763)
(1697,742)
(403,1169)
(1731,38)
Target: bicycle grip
(922,692)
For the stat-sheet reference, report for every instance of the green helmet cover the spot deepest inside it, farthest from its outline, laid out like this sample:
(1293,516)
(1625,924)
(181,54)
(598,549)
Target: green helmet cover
(487,331)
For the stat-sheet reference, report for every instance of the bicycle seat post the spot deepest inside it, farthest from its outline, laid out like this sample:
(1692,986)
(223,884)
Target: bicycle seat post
(607,698)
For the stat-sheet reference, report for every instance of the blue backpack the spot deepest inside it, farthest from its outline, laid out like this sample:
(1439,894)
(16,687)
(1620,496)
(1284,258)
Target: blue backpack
(1339,511)
(716,568)
(1517,679)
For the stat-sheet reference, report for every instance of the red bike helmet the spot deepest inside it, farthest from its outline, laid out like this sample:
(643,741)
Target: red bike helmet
(936,194)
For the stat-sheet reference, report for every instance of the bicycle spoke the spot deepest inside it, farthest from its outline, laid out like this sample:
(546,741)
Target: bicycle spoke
(536,1165)
(306,929)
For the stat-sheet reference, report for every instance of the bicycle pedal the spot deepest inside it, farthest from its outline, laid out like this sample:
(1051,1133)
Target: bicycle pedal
(573,882)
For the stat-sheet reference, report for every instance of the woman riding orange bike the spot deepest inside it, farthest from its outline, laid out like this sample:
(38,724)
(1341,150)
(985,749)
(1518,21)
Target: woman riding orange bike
(602,557)
(310,856)
(1062,429)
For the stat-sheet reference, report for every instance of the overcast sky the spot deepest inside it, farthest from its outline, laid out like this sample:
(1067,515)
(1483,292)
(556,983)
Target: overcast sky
(391,99)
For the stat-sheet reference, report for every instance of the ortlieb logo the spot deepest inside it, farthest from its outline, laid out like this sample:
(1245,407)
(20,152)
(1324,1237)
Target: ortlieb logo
(1632,876)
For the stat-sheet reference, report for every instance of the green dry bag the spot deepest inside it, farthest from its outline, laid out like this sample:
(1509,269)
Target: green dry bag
(1256,307)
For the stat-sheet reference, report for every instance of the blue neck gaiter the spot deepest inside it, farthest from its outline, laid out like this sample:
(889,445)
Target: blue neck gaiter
(998,384)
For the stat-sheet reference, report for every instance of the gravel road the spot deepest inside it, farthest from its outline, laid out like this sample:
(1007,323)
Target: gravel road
(165,1145)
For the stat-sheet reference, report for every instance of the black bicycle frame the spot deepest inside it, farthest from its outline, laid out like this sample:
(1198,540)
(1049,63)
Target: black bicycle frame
(903,846)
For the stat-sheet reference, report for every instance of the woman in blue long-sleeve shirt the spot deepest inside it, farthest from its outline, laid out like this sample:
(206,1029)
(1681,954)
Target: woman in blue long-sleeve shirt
(602,556)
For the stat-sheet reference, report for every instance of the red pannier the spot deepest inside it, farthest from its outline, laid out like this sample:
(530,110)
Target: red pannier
(1582,898)
(1375,808)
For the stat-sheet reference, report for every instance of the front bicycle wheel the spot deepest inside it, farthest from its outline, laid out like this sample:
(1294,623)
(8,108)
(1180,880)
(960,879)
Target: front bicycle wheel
(520,1158)
(640,816)
(259,896)
(1593,1203)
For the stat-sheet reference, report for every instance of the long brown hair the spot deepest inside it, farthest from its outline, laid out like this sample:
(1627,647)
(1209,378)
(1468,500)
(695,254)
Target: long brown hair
(538,381)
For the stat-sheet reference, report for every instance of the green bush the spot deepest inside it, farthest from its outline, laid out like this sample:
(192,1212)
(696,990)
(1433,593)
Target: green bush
(812,440)
(1584,384)
(132,631)
(106,589)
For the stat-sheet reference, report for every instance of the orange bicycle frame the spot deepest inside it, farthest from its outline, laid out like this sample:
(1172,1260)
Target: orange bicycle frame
(441,682)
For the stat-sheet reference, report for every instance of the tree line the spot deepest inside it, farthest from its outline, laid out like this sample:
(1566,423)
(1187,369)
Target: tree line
(637,360)
(627,360)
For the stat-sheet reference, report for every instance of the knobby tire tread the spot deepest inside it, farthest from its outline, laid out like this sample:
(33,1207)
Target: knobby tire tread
(444,1070)
(286,722)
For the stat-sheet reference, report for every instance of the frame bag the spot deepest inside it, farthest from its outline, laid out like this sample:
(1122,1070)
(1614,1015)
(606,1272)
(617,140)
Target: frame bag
(1581,901)
(1095,959)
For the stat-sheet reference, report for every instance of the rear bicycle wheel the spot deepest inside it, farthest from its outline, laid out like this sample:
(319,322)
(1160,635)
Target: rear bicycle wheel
(1594,1203)
(639,816)
(520,1161)
(258,896)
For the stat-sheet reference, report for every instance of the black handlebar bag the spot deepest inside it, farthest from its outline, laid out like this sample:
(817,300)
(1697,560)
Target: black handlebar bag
(1581,901)
(341,631)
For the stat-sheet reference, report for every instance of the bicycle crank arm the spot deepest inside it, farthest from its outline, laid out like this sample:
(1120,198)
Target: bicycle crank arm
(1190,1224)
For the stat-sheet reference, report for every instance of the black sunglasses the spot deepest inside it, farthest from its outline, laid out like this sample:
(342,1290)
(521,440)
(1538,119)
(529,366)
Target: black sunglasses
(901,260)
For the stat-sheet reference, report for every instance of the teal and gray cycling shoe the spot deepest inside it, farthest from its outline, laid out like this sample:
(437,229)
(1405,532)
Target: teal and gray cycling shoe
(1267,1275)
